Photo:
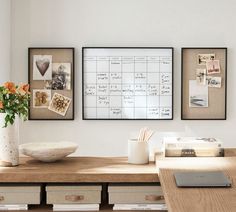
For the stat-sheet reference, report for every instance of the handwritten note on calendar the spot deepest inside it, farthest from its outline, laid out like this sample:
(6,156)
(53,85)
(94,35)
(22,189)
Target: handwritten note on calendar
(127,83)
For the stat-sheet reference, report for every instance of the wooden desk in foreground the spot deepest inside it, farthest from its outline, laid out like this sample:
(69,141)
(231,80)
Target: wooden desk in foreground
(198,199)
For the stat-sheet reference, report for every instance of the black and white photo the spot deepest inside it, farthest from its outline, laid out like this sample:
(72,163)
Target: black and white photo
(201,76)
(61,76)
(202,58)
(198,94)
(214,82)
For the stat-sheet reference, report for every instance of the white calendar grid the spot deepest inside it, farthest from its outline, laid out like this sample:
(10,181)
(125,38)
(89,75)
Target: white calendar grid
(128,87)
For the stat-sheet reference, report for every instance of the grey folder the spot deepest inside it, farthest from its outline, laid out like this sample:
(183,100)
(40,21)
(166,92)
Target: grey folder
(202,179)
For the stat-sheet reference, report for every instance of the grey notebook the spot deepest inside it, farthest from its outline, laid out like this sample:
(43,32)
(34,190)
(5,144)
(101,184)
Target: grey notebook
(202,179)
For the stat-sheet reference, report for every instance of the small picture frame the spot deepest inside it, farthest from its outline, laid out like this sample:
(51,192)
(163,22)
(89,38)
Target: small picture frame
(204,83)
(51,80)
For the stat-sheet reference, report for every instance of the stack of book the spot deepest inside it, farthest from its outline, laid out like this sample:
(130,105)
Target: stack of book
(76,207)
(140,207)
(192,147)
(18,207)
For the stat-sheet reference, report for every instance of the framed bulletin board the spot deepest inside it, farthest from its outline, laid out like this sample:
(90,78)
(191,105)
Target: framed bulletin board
(204,84)
(51,79)
(127,83)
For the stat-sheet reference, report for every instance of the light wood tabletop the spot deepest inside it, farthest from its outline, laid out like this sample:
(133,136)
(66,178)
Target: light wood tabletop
(79,169)
(198,199)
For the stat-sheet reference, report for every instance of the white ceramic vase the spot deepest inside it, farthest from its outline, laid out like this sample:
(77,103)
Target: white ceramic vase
(9,140)
(138,152)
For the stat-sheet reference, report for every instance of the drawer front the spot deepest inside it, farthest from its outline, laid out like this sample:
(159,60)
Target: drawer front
(73,197)
(136,198)
(19,198)
(135,195)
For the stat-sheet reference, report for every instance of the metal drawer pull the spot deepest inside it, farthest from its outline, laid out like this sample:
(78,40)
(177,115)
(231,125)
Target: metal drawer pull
(154,197)
(1,198)
(74,198)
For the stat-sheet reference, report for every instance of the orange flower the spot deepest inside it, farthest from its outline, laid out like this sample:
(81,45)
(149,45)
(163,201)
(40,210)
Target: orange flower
(26,88)
(10,86)
(23,89)
(1,105)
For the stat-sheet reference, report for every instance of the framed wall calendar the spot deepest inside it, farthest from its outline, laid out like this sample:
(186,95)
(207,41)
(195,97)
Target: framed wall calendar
(127,83)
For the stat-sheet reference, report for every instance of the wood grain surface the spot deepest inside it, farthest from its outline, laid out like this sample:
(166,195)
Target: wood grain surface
(198,199)
(94,169)
(79,169)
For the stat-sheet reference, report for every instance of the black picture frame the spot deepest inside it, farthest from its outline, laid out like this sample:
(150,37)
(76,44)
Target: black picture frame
(83,98)
(73,75)
(204,49)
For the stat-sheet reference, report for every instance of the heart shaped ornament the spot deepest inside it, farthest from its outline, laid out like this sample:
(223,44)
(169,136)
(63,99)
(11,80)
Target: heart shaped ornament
(42,65)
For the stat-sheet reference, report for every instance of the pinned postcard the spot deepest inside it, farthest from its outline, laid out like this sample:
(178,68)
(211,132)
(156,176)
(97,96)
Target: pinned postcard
(198,94)
(213,67)
(41,98)
(214,82)
(61,76)
(201,76)
(59,104)
(202,58)
(42,67)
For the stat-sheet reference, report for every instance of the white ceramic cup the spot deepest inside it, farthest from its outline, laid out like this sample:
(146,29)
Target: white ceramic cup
(138,152)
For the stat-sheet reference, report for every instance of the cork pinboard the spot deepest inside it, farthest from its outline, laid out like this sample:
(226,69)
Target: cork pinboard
(51,71)
(217,101)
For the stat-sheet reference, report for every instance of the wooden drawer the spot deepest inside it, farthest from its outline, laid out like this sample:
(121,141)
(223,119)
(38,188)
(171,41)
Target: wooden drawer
(22,194)
(73,194)
(134,194)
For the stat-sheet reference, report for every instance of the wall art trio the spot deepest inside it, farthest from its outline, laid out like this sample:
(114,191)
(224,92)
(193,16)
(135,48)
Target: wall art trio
(128,83)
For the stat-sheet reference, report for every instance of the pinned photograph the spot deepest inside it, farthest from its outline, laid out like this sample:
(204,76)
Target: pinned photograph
(61,76)
(59,104)
(42,67)
(41,98)
(213,67)
(198,94)
(203,58)
(214,82)
(201,76)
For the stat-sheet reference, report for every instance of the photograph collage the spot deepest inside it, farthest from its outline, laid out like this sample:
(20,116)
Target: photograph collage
(51,82)
(207,76)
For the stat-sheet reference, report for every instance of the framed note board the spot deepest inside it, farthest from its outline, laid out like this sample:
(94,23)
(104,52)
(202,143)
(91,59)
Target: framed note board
(127,83)
(204,83)
(51,79)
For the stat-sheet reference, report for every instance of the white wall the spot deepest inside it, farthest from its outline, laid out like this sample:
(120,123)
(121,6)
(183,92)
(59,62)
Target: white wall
(80,23)
(5,40)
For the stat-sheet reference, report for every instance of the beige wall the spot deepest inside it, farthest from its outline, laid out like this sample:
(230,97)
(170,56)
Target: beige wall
(80,23)
(5,40)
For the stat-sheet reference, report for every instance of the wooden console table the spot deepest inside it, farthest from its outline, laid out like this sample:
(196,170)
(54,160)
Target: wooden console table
(117,170)
(78,170)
